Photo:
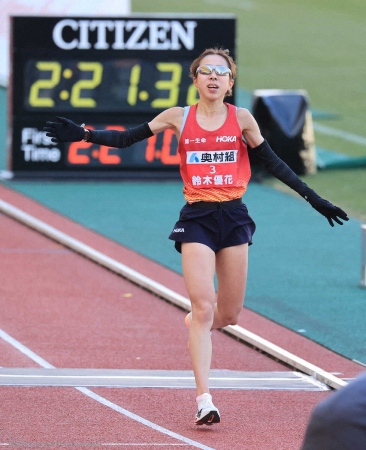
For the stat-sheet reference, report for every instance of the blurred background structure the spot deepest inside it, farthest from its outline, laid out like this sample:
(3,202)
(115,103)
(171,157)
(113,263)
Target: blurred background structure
(50,8)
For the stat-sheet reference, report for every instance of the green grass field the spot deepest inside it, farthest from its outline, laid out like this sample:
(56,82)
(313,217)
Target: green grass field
(303,44)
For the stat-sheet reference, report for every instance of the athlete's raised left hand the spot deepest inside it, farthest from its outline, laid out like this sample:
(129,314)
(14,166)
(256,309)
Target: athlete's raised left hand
(328,210)
(64,130)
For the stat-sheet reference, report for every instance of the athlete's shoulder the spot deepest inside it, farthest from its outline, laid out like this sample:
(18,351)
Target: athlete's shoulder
(245,118)
(173,114)
(176,110)
(243,113)
(169,118)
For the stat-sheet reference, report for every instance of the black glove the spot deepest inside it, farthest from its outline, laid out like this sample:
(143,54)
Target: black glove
(328,210)
(64,130)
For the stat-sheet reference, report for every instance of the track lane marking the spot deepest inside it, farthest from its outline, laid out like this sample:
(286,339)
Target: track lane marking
(345,135)
(184,379)
(98,398)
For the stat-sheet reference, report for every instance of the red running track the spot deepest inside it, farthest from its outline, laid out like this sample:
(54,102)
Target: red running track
(75,314)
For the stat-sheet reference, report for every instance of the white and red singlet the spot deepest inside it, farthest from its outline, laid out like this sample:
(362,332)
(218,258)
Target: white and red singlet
(214,164)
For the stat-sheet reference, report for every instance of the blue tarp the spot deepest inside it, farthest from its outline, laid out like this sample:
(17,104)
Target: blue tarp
(327,159)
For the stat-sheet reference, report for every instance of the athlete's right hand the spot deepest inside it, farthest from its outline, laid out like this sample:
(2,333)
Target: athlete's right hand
(64,130)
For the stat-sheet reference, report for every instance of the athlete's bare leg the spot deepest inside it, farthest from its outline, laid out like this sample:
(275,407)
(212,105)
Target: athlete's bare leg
(231,270)
(208,310)
(198,263)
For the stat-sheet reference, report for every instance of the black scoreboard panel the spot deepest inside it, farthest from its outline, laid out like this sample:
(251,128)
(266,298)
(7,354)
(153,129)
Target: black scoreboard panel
(109,73)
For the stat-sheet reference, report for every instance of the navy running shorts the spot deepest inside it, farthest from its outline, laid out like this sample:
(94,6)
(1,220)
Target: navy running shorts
(215,224)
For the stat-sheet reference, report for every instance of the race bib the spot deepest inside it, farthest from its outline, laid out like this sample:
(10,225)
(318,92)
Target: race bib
(207,169)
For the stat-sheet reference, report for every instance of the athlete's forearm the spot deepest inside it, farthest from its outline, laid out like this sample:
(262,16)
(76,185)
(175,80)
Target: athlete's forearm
(278,168)
(65,130)
(120,139)
(264,155)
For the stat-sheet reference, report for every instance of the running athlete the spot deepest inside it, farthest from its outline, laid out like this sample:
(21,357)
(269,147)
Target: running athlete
(215,140)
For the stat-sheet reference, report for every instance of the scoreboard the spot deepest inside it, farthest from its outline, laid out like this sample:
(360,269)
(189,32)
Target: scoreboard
(108,73)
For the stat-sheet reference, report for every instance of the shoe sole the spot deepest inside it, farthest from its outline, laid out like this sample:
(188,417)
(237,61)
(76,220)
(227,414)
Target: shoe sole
(209,419)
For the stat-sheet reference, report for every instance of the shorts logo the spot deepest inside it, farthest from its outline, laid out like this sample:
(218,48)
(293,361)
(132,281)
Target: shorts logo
(178,230)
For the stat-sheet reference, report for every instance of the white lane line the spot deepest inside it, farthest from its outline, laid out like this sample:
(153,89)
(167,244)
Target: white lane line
(43,363)
(323,129)
(311,380)
(25,350)
(86,378)
(138,377)
(281,354)
(139,419)
(94,255)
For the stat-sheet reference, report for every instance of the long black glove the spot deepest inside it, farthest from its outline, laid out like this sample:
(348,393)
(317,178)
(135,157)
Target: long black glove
(64,130)
(264,155)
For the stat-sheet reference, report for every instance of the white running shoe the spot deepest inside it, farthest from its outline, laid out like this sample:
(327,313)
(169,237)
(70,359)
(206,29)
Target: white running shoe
(207,413)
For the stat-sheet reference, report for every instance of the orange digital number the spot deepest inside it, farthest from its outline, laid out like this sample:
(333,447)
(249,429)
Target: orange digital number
(74,156)
(165,153)
(104,154)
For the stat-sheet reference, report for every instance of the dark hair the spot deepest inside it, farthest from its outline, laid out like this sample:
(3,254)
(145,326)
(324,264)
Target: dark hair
(214,51)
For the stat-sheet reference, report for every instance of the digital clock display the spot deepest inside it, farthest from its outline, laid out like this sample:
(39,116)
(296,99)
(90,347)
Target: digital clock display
(109,73)
(156,150)
(119,85)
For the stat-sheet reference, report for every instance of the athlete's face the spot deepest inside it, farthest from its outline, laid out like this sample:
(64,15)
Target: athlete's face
(213,85)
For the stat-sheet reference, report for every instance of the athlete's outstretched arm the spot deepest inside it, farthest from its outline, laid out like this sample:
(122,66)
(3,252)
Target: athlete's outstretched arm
(65,130)
(260,151)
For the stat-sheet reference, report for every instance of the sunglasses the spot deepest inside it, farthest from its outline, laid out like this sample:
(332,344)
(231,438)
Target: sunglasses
(207,70)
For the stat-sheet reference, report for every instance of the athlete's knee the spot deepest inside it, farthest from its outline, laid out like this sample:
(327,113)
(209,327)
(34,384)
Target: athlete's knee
(231,320)
(230,317)
(203,312)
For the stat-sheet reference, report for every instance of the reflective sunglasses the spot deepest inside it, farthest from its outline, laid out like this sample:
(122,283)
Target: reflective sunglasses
(207,70)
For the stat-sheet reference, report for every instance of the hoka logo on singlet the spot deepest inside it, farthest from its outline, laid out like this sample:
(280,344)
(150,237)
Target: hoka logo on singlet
(226,139)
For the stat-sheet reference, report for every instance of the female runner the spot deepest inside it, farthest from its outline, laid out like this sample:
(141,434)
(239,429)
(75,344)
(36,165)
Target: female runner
(215,140)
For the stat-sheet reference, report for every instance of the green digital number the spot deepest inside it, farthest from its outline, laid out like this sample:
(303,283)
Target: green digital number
(35,98)
(76,99)
(134,85)
(192,95)
(172,85)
